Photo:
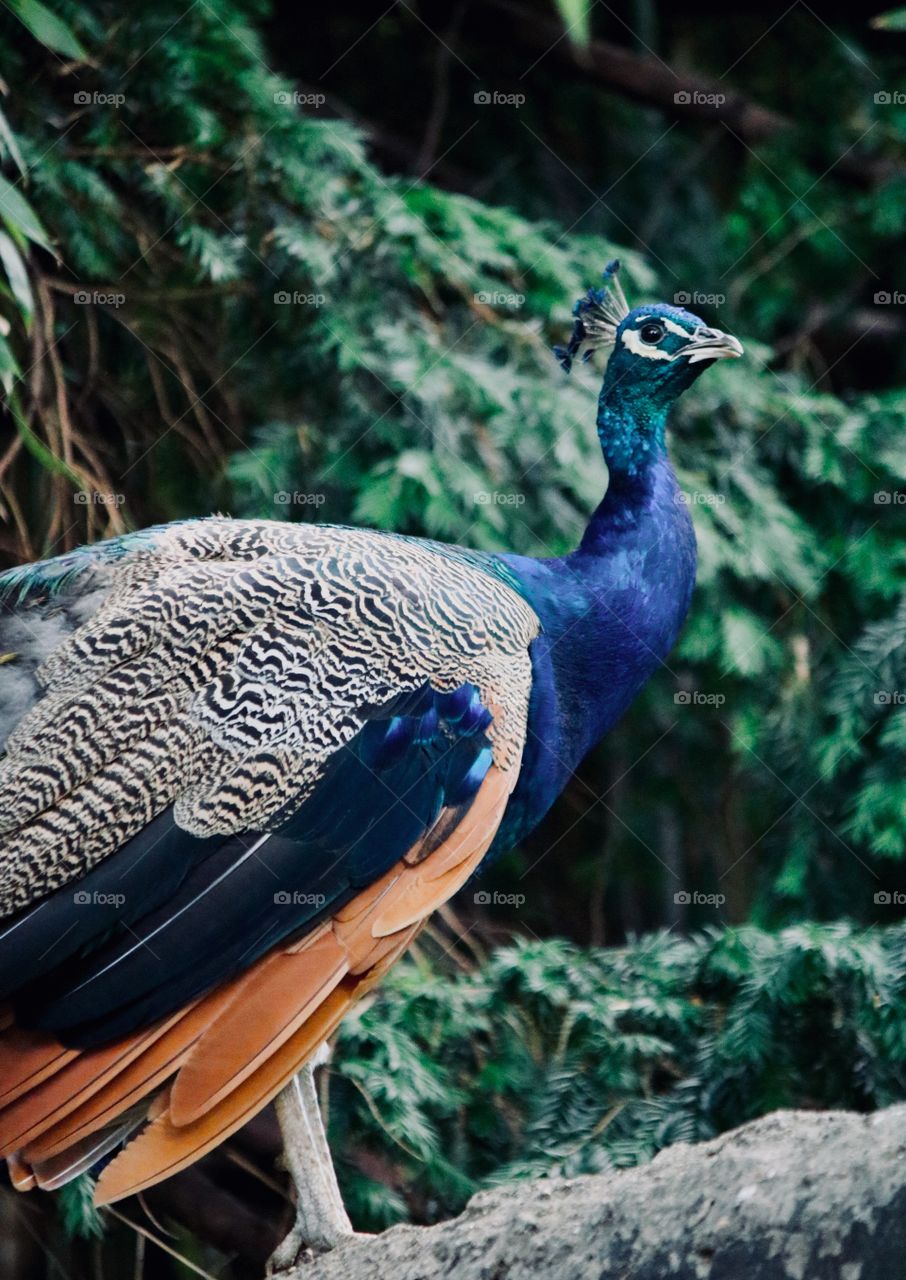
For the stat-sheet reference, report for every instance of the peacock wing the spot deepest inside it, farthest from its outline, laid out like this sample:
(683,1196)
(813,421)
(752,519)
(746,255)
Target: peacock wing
(255,759)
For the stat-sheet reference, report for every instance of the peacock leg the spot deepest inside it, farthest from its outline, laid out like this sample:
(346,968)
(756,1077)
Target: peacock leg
(321,1220)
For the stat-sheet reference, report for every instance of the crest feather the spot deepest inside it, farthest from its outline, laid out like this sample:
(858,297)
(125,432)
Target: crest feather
(598,316)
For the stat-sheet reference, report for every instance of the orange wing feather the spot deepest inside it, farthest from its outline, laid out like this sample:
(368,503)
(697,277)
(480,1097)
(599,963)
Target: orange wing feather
(136,1081)
(26,1062)
(28,1117)
(164,1148)
(285,989)
(228,1054)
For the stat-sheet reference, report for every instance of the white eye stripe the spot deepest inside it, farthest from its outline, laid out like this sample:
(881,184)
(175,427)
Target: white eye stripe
(632,340)
(670,325)
(673,327)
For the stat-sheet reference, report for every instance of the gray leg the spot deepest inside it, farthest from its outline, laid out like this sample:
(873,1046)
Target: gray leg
(321,1220)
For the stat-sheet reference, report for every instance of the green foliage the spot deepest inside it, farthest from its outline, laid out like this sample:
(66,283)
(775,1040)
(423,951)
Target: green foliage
(49,28)
(80,1219)
(243,254)
(893,20)
(549,1060)
(575,15)
(157,367)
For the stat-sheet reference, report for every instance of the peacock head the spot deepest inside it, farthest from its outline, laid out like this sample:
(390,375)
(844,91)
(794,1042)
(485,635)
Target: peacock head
(665,349)
(658,351)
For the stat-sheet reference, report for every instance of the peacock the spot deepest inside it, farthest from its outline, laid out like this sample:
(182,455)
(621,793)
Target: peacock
(246,759)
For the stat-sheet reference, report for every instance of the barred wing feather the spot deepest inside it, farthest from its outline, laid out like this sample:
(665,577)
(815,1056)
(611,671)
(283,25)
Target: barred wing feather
(245,761)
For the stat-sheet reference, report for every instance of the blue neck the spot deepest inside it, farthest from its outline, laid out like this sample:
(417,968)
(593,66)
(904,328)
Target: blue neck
(632,425)
(610,611)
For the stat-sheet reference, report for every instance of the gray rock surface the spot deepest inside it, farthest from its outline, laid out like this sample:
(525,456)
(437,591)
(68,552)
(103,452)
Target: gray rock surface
(794,1196)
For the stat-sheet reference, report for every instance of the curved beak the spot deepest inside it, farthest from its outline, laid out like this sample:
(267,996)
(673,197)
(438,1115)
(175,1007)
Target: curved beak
(712,344)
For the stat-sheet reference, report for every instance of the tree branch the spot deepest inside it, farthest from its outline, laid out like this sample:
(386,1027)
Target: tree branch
(794,1194)
(684,94)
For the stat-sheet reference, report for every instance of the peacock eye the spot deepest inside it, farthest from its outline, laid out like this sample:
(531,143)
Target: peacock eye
(652,333)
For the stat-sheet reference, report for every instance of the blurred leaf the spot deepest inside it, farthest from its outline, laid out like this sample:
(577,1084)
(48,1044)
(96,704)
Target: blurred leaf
(893,20)
(75,1201)
(18,214)
(9,146)
(576,19)
(47,27)
(9,368)
(16,272)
